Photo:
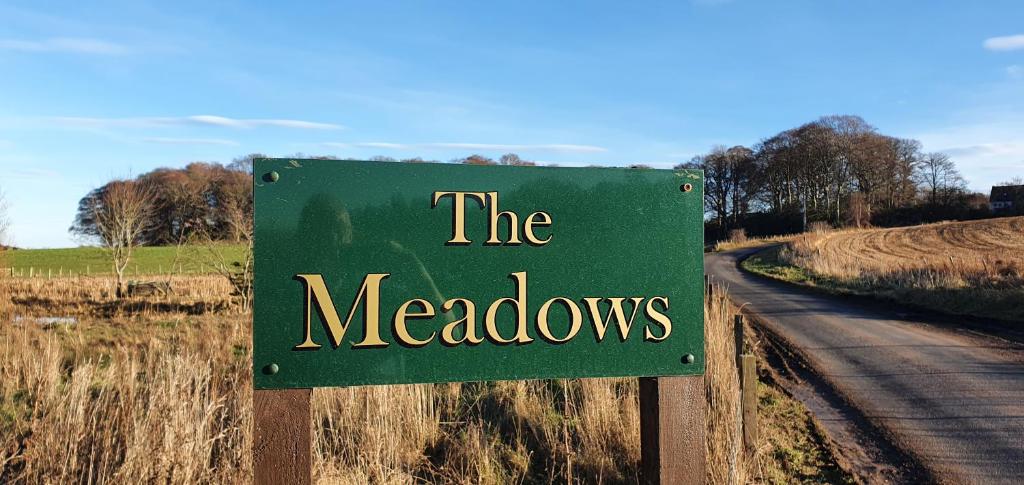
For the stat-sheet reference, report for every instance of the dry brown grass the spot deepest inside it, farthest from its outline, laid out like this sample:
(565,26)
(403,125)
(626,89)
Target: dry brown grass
(749,242)
(94,296)
(980,260)
(166,397)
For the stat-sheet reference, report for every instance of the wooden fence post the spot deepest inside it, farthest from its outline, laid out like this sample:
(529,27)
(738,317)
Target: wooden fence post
(749,402)
(738,335)
(672,448)
(282,438)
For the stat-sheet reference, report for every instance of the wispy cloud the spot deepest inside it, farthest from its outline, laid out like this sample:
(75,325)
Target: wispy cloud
(558,147)
(1005,43)
(75,45)
(30,173)
(190,141)
(1015,71)
(200,120)
(987,150)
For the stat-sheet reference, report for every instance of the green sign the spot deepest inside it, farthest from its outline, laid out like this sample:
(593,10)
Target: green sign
(386,273)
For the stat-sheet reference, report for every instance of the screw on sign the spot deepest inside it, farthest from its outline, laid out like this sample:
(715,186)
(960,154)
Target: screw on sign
(371,273)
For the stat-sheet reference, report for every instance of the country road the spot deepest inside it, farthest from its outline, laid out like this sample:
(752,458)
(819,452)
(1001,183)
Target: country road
(952,399)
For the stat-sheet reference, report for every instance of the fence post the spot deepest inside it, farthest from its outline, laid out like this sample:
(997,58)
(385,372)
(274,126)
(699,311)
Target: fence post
(282,438)
(672,448)
(749,400)
(738,335)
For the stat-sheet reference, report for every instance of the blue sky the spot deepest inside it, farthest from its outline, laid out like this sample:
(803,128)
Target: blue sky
(95,90)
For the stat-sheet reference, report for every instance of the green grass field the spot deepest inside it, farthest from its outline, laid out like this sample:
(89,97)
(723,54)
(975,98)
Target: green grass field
(96,261)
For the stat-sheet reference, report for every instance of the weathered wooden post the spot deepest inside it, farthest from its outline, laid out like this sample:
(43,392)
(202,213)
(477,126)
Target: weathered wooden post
(282,437)
(672,428)
(749,403)
(738,335)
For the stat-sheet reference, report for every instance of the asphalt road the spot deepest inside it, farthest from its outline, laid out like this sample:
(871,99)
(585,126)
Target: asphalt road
(952,399)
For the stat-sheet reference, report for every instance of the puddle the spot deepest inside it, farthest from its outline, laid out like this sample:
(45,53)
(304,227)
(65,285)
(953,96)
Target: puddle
(47,321)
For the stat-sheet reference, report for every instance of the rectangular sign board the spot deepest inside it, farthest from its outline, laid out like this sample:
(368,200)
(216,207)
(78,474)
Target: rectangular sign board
(389,273)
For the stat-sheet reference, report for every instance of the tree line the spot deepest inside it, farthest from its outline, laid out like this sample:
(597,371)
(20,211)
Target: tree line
(836,169)
(204,200)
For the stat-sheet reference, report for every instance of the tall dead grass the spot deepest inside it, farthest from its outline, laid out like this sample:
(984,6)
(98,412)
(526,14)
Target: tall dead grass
(171,402)
(94,296)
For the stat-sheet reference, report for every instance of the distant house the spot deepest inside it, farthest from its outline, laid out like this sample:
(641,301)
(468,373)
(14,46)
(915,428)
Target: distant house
(1007,199)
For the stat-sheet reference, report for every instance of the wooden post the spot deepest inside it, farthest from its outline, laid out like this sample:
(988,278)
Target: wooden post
(738,335)
(672,448)
(282,441)
(749,403)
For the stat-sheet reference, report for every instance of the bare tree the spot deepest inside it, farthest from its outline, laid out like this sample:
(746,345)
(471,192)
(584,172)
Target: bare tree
(514,160)
(5,223)
(939,178)
(730,182)
(245,163)
(122,212)
(215,256)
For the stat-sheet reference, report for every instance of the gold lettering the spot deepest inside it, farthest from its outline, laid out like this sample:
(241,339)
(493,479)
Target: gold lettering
(459,212)
(600,327)
(576,319)
(402,332)
(528,228)
(519,303)
(469,320)
(369,292)
(492,225)
(658,317)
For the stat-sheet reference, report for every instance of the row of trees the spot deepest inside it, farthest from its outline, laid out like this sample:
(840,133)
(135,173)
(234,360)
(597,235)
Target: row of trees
(837,169)
(201,199)
(200,204)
